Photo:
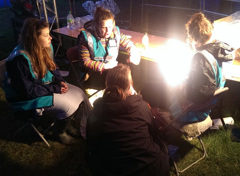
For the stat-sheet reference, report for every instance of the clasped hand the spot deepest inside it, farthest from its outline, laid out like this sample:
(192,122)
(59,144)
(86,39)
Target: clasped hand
(64,87)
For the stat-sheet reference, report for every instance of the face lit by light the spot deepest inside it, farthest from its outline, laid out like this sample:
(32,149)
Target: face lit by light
(45,38)
(105,28)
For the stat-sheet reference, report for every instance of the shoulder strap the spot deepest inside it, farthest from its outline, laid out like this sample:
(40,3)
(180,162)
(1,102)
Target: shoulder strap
(218,73)
(89,38)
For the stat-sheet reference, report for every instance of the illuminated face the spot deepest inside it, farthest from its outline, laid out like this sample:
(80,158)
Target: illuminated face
(105,28)
(45,38)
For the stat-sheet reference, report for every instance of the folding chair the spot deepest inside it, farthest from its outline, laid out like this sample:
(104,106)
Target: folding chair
(184,128)
(79,73)
(29,117)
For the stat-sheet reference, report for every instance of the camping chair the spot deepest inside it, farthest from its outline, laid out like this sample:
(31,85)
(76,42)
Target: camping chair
(72,56)
(28,117)
(80,74)
(193,130)
(31,118)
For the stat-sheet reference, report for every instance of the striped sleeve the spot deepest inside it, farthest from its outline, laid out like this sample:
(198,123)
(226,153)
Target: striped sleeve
(125,42)
(84,55)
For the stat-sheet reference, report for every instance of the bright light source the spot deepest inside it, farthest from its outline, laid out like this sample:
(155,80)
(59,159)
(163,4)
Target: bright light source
(174,62)
(145,41)
(228,32)
(95,96)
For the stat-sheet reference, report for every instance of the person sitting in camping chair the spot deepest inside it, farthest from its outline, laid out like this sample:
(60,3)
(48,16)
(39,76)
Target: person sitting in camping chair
(33,82)
(99,44)
(205,75)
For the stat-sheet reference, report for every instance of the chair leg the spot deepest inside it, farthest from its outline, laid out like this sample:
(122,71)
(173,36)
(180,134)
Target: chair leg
(174,164)
(35,129)
(40,135)
(20,129)
(204,155)
(94,93)
(223,122)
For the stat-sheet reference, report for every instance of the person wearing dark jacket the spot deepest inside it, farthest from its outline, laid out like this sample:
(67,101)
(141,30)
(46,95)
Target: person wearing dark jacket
(120,132)
(205,75)
(33,82)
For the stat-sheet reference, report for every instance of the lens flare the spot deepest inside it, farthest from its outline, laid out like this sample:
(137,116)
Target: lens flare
(174,62)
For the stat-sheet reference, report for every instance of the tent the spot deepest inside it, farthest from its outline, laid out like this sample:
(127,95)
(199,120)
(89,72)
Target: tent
(5,3)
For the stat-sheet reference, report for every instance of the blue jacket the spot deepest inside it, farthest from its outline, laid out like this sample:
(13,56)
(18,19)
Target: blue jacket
(96,49)
(205,76)
(22,87)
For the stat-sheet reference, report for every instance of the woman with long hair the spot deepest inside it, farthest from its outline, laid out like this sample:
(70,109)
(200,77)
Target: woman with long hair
(34,83)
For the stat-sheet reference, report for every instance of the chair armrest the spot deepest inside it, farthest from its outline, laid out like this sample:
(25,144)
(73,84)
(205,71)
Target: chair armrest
(220,91)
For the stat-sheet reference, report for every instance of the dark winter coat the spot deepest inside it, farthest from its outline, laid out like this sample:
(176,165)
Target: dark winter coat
(120,139)
(201,82)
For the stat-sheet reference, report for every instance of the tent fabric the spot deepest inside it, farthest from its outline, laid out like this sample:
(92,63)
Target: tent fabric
(5,3)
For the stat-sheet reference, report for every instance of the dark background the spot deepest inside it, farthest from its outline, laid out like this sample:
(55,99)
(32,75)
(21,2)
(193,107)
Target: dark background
(159,17)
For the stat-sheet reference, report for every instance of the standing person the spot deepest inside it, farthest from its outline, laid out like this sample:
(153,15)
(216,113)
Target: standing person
(120,131)
(100,41)
(34,83)
(205,74)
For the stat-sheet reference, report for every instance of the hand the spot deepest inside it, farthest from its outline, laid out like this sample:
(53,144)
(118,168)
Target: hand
(64,87)
(135,56)
(110,64)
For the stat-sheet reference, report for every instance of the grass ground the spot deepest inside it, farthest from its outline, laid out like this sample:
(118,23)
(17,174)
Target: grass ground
(28,155)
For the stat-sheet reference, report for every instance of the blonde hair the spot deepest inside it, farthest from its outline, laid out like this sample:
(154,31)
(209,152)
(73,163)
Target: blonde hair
(118,82)
(199,28)
(39,56)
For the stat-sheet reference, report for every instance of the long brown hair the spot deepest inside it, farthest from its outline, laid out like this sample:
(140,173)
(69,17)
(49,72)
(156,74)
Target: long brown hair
(199,28)
(118,82)
(39,56)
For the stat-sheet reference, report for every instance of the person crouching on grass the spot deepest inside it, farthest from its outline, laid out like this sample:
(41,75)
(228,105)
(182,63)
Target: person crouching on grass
(120,131)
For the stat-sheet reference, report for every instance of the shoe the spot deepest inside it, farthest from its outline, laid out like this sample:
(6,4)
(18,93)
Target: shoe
(73,132)
(60,134)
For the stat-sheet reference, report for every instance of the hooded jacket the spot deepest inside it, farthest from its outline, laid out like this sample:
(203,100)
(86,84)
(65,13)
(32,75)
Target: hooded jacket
(120,139)
(206,71)
(205,76)
(97,51)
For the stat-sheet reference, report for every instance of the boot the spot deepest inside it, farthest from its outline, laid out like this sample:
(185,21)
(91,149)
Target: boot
(72,131)
(74,127)
(60,134)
